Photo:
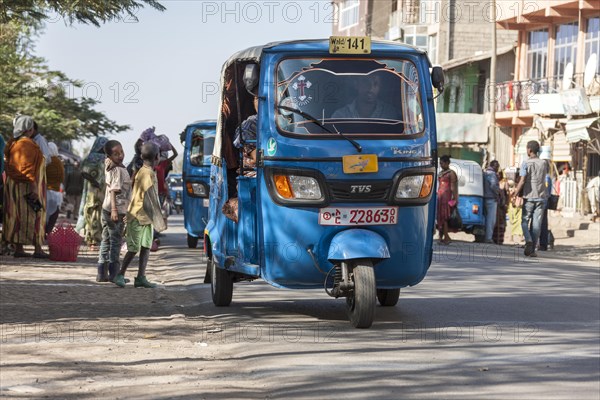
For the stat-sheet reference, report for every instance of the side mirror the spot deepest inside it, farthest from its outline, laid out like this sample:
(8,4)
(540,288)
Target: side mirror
(182,136)
(251,77)
(437,78)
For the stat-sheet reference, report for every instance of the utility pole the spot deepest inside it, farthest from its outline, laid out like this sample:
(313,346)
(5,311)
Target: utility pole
(492,92)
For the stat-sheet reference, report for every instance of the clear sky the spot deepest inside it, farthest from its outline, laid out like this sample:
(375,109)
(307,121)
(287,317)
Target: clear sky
(163,70)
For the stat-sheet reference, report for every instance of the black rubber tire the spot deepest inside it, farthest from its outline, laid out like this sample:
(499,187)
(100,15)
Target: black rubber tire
(360,304)
(388,297)
(221,285)
(192,241)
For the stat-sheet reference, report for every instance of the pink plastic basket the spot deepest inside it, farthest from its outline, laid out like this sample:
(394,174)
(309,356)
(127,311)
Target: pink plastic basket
(63,243)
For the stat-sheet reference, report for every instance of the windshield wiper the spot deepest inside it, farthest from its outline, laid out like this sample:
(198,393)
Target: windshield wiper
(319,124)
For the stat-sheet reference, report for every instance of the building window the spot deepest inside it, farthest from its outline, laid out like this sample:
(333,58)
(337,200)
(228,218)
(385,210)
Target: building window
(416,35)
(592,40)
(537,54)
(565,48)
(432,51)
(348,13)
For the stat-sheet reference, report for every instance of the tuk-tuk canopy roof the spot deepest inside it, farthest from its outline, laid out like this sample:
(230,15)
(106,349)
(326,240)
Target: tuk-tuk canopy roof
(254,54)
(470,177)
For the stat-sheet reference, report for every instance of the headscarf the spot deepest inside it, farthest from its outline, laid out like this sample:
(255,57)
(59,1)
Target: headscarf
(53,149)
(22,124)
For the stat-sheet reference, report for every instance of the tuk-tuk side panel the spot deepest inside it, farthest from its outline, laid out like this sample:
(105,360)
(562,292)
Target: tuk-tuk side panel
(248,249)
(221,230)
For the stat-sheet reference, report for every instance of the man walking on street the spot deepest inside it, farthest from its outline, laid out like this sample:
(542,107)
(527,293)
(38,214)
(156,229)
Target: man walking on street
(491,194)
(533,182)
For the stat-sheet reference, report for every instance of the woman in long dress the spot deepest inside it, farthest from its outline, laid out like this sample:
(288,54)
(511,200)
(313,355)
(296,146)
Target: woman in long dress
(92,171)
(25,190)
(447,196)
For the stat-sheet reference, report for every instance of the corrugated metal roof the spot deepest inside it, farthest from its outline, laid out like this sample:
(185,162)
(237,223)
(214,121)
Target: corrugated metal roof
(577,129)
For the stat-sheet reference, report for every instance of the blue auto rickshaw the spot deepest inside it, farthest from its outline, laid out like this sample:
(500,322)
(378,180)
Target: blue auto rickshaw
(470,200)
(337,198)
(198,139)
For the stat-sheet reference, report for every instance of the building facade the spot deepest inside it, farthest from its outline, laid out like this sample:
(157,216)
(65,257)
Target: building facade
(554,95)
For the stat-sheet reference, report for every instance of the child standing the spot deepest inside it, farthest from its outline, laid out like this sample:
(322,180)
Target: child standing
(114,210)
(144,212)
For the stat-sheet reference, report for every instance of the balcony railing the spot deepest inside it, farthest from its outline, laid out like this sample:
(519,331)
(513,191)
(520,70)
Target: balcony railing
(515,95)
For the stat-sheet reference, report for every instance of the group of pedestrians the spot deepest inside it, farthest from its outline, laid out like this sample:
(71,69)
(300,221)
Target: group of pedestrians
(131,201)
(132,206)
(116,202)
(524,201)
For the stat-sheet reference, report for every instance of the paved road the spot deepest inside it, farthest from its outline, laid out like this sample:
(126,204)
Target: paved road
(485,323)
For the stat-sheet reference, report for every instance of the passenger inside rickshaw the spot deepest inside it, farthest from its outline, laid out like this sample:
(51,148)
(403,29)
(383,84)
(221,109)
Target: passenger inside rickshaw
(348,96)
(238,116)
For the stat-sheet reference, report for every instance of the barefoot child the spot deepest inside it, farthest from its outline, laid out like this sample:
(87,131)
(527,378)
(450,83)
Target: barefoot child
(114,210)
(144,212)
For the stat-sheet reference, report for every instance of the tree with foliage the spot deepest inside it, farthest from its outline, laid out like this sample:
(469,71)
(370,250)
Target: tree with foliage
(27,86)
(92,12)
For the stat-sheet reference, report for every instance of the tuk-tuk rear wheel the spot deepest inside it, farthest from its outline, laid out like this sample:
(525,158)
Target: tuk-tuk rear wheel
(360,304)
(221,284)
(388,297)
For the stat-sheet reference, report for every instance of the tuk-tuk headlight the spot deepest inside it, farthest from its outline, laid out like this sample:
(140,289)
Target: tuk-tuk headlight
(297,187)
(197,189)
(414,187)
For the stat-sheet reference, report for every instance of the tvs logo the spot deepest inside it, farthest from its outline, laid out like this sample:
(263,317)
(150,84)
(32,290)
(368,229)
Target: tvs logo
(360,189)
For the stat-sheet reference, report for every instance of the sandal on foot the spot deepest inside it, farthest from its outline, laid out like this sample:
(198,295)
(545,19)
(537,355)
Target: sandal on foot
(40,255)
(21,254)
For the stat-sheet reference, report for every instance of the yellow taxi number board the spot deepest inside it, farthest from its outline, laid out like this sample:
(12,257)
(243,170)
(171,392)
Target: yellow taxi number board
(350,45)
(360,164)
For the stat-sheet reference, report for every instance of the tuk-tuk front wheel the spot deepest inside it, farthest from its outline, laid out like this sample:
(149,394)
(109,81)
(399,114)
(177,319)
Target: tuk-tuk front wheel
(221,284)
(360,303)
(388,297)
(192,241)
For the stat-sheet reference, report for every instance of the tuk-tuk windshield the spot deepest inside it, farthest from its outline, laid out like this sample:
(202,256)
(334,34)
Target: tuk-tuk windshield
(351,96)
(201,149)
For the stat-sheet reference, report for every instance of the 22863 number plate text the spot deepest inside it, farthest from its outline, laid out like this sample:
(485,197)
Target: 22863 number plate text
(345,216)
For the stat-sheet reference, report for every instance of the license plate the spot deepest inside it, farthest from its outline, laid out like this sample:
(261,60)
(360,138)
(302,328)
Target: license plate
(346,216)
(360,164)
(350,45)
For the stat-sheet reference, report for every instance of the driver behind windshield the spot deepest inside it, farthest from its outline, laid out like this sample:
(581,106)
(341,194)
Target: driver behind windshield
(367,103)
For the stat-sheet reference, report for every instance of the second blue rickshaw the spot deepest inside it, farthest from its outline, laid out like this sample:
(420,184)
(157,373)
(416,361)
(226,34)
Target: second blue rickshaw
(198,139)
